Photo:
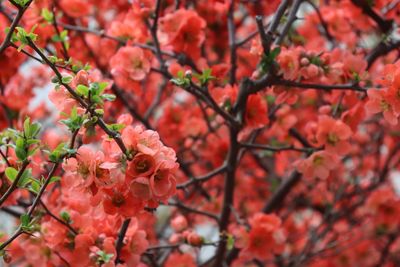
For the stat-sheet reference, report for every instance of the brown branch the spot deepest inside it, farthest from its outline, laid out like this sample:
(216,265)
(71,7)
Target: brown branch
(323,87)
(11,239)
(5,159)
(21,10)
(14,184)
(276,200)
(275,149)
(184,207)
(75,232)
(114,135)
(384,25)
(385,252)
(229,190)
(232,43)
(55,26)
(382,49)
(203,178)
(120,241)
(290,20)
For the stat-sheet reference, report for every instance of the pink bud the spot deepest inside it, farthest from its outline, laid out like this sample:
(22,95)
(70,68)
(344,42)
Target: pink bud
(194,239)
(188,73)
(304,61)
(176,238)
(179,223)
(7,258)
(82,77)
(186,233)
(255,74)
(325,109)
(312,71)
(312,54)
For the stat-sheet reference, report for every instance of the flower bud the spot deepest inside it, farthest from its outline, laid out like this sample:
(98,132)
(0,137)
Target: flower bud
(312,71)
(188,73)
(326,109)
(304,61)
(179,223)
(194,239)
(82,77)
(176,238)
(7,258)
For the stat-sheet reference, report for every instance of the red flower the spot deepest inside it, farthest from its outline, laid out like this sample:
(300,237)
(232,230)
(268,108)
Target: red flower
(162,183)
(75,8)
(142,165)
(265,237)
(181,260)
(379,102)
(184,31)
(319,164)
(118,200)
(129,65)
(334,134)
(256,115)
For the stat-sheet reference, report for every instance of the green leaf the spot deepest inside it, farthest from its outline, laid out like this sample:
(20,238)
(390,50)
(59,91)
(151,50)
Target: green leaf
(268,61)
(34,186)
(74,113)
(103,257)
(55,79)
(32,141)
(66,79)
(99,111)
(87,67)
(275,52)
(21,3)
(97,99)
(64,35)
(230,242)
(25,220)
(54,179)
(35,129)
(20,150)
(181,80)
(57,154)
(65,216)
(270,99)
(116,127)
(95,88)
(108,97)
(103,86)
(25,178)
(82,90)
(27,125)
(47,15)
(205,77)
(11,173)
(55,38)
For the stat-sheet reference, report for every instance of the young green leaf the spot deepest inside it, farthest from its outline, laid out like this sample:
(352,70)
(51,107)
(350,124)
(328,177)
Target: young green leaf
(82,90)
(11,173)
(108,97)
(230,243)
(65,216)
(66,79)
(47,15)
(25,220)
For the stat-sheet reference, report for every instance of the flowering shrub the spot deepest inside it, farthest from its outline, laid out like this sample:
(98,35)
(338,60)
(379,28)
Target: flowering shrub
(199,133)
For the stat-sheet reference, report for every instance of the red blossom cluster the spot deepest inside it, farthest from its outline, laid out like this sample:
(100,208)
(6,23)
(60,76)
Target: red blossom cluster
(199,133)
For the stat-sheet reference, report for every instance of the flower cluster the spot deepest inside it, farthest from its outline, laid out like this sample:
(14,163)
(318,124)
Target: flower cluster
(122,186)
(387,99)
(265,237)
